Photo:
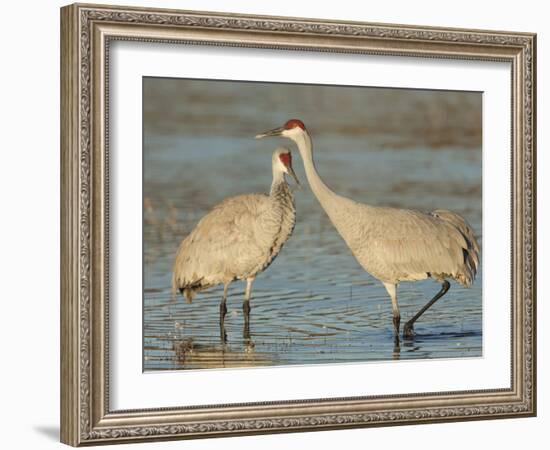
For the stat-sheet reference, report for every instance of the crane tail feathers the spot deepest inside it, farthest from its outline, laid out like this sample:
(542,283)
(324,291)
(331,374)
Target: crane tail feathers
(188,290)
(467,274)
(189,294)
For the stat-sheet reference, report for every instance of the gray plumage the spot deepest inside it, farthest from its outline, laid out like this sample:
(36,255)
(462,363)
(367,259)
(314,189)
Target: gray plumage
(238,238)
(393,244)
(397,245)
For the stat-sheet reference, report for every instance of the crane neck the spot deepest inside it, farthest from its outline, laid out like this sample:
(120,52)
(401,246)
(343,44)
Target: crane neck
(323,193)
(281,193)
(340,210)
(278,180)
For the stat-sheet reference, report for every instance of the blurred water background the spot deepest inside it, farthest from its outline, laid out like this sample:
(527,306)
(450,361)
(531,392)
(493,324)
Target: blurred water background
(315,304)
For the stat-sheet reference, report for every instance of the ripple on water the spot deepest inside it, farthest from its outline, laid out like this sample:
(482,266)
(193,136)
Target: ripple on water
(314,304)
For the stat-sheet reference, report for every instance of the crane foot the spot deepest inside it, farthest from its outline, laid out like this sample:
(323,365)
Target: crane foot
(408,330)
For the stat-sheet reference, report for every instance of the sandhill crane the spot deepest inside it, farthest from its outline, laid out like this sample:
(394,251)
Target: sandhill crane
(391,244)
(237,239)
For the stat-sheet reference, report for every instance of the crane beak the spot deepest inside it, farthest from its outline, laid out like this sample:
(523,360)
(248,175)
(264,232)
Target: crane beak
(293,175)
(275,132)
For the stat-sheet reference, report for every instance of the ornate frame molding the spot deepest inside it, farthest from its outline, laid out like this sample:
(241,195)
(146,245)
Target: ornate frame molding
(86,32)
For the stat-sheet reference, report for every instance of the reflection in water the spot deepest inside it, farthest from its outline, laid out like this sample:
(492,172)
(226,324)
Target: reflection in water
(199,356)
(396,350)
(315,304)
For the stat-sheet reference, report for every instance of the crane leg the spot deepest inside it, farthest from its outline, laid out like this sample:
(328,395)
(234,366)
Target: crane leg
(392,291)
(408,330)
(246,308)
(223,312)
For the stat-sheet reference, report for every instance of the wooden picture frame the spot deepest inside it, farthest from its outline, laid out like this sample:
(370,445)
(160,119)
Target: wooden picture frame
(86,34)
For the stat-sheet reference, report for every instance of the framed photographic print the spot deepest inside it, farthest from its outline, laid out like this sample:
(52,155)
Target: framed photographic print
(276,224)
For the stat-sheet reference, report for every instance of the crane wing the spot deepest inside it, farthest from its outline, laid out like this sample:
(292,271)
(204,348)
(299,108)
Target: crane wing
(227,242)
(410,245)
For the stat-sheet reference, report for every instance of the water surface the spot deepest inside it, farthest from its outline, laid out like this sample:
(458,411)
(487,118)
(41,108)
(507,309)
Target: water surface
(314,304)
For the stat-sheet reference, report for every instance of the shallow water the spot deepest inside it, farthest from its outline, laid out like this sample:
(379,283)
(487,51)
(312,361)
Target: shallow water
(314,304)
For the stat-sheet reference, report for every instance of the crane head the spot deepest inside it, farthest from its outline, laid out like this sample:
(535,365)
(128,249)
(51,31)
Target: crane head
(290,127)
(282,160)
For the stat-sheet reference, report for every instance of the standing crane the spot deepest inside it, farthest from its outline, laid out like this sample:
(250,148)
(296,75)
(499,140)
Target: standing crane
(392,244)
(239,238)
